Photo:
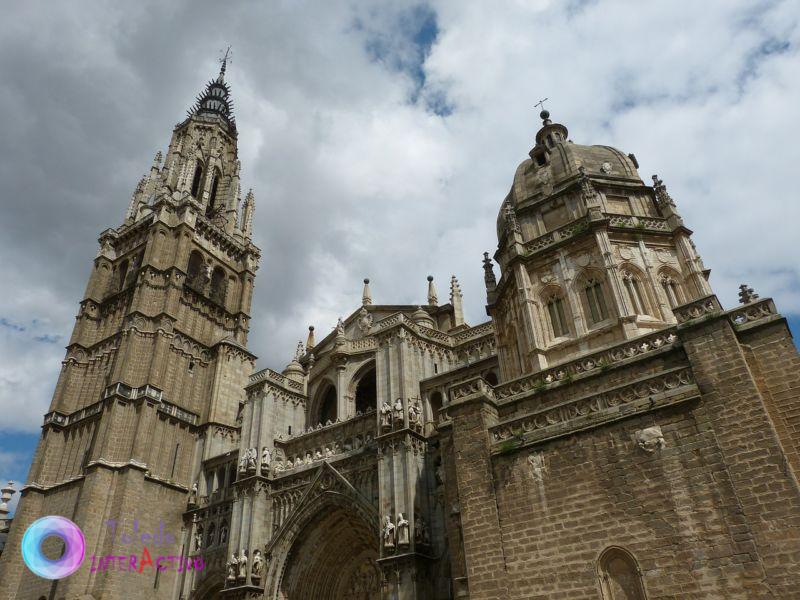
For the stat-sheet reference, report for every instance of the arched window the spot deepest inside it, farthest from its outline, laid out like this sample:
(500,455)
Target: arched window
(218,284)
(366,391)
(672,289)
(557,315)
(491,378)
(197,179)
(436,405)
(594,300)
(212,196)
(122,274)
(633,286)
(195,266)
(231,475)
(620,577)
(327,406)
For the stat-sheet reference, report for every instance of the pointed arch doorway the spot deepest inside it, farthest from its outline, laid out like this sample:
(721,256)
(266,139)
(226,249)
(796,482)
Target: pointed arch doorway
(328,548)
(333,558)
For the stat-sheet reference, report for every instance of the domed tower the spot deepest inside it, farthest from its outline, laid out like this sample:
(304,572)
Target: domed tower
(588,254)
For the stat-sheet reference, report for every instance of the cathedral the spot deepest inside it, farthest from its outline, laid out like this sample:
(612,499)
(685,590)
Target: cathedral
(610,432)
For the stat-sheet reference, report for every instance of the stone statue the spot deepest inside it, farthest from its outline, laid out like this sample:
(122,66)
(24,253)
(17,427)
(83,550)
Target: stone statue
(233,567)
(398,413)
(193,494)
(243,564)
(388,532)
(340,327)
(328,452)
(252,455)
(255,569)
(243,463)
(650,439)
(317,454)
(386,415)
(402,530)
(266,459)
(198,537)
(223,534)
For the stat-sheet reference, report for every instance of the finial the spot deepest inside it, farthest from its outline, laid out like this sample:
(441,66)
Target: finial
(662,196)
(456,301)
(544,115)
(512,225)
(310,339)
(224,61)
(488,273)
(366,296)
(157,159)
(746,294)
(298,353)
(433,298)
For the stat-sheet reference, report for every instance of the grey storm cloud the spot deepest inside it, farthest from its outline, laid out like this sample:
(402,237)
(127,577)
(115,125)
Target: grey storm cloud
(380,139)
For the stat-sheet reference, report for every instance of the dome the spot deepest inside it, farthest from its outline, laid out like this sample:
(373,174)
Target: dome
(554,164)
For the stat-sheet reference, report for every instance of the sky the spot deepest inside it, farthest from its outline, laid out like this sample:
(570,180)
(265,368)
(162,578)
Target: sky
(380,139)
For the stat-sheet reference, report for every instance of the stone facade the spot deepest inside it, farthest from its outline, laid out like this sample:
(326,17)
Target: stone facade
(611,432)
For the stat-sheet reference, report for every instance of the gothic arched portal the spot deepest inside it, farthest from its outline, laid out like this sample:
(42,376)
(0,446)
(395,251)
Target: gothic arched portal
(333,558)
(328,548)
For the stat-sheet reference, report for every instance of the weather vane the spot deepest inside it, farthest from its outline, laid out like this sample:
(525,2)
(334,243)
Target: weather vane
(540,103)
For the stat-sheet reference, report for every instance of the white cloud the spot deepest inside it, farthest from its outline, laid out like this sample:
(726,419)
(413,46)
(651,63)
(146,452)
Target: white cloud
(353,179)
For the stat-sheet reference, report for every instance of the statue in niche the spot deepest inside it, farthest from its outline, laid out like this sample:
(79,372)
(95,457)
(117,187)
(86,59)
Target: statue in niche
(255,569)
(398,413)
(243,564)
(223,534)
(386,415)
(252,456)
(328,452)
(421,535)
(266,459)
(414,416)
(317,454)
(308,459)
(198,537)
(388,532)
(278,465)
(233,567)
(402,530)
(243,463)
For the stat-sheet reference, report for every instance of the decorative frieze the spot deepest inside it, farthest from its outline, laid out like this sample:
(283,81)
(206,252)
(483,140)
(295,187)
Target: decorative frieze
(578,414)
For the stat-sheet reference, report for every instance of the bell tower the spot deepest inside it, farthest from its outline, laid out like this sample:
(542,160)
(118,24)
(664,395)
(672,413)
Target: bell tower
(589,255)
(156,366)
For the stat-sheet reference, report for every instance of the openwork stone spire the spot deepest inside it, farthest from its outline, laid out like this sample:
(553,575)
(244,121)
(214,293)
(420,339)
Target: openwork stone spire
(215,101)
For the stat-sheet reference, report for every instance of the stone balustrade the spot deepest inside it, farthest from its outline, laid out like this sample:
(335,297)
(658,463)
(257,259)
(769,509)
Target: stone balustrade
(595,362)
(696,309)
(754,311)
(324,442)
